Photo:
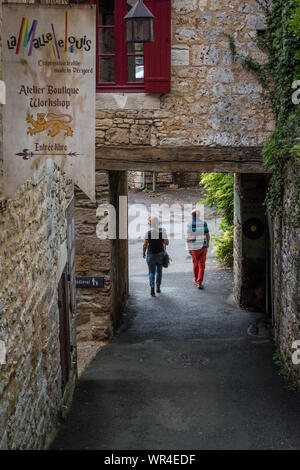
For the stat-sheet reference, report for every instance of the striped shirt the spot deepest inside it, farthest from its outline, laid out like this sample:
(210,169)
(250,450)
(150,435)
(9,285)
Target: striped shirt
(196,234)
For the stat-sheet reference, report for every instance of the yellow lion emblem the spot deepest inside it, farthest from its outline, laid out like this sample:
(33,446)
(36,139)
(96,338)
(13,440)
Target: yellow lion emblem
(41,124)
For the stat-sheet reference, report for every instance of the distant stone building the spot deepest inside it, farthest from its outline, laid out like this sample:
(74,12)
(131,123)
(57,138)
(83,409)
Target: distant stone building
(162,180)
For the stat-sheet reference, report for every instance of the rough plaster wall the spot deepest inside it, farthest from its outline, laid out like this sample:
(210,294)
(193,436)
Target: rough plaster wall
(212,100)
(286,278)
(32,254)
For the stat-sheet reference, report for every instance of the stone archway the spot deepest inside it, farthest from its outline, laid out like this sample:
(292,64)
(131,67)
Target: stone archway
(99,310)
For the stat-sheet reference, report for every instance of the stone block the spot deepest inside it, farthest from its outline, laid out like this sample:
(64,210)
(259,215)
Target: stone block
(199,107)
(99,135)
(140,135)
(91,305)
(246,8)
(117,136)
(206,55)
(180,56)
(104,123)
(220,75)
(182,86)
(102,262)
(185,6)
(84,263)
(84,334)
(82,318)
(256,22)
(187,34)
(102,179)
(94,245)
(214,34)
(85,216)
(100,333)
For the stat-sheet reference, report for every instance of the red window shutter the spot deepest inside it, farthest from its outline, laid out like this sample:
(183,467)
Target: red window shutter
(158,54)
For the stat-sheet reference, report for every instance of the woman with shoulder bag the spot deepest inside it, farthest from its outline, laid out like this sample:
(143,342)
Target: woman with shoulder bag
(155,242)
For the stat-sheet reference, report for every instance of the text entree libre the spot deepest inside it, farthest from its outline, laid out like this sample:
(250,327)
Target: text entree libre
(50,147)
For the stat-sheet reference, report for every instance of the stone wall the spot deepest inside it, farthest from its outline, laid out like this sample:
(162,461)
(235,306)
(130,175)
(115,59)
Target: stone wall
(99,309)
(212,101)
(33,254)
(286,276)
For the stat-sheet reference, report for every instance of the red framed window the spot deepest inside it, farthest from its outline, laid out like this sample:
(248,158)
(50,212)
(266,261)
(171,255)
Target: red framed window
(122,67)
(119,65)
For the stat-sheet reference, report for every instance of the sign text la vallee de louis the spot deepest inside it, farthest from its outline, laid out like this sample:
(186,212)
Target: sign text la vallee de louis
(49,72)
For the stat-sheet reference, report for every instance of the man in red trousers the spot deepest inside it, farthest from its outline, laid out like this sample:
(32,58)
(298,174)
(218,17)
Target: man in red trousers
(198,243)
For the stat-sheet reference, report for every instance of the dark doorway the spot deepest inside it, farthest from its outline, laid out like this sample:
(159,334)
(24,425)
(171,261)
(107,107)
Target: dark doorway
(64,328)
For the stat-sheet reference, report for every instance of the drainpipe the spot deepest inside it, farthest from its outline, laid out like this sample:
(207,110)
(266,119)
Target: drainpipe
(143,181)
(154,181)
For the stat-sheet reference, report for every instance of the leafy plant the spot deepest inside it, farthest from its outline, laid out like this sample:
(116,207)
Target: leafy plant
(219,189)
(224,244)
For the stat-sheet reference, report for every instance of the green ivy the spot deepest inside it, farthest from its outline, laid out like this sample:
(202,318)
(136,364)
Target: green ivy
(294,23)
(281,43)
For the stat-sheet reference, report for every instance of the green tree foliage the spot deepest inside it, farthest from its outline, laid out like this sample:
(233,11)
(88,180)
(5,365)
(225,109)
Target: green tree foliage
(219,189)
(219,193)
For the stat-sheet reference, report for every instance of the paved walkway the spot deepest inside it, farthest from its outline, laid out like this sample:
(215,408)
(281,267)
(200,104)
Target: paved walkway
(184,372)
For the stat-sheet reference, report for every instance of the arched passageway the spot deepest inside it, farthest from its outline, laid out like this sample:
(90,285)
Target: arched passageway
(185,371)
(99,311)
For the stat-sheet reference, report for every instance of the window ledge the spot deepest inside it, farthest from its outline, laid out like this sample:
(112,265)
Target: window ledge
(124,89)
(127,101)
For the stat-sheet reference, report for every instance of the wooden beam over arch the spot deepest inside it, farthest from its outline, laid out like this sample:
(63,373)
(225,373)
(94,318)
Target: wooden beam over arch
(193,158)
